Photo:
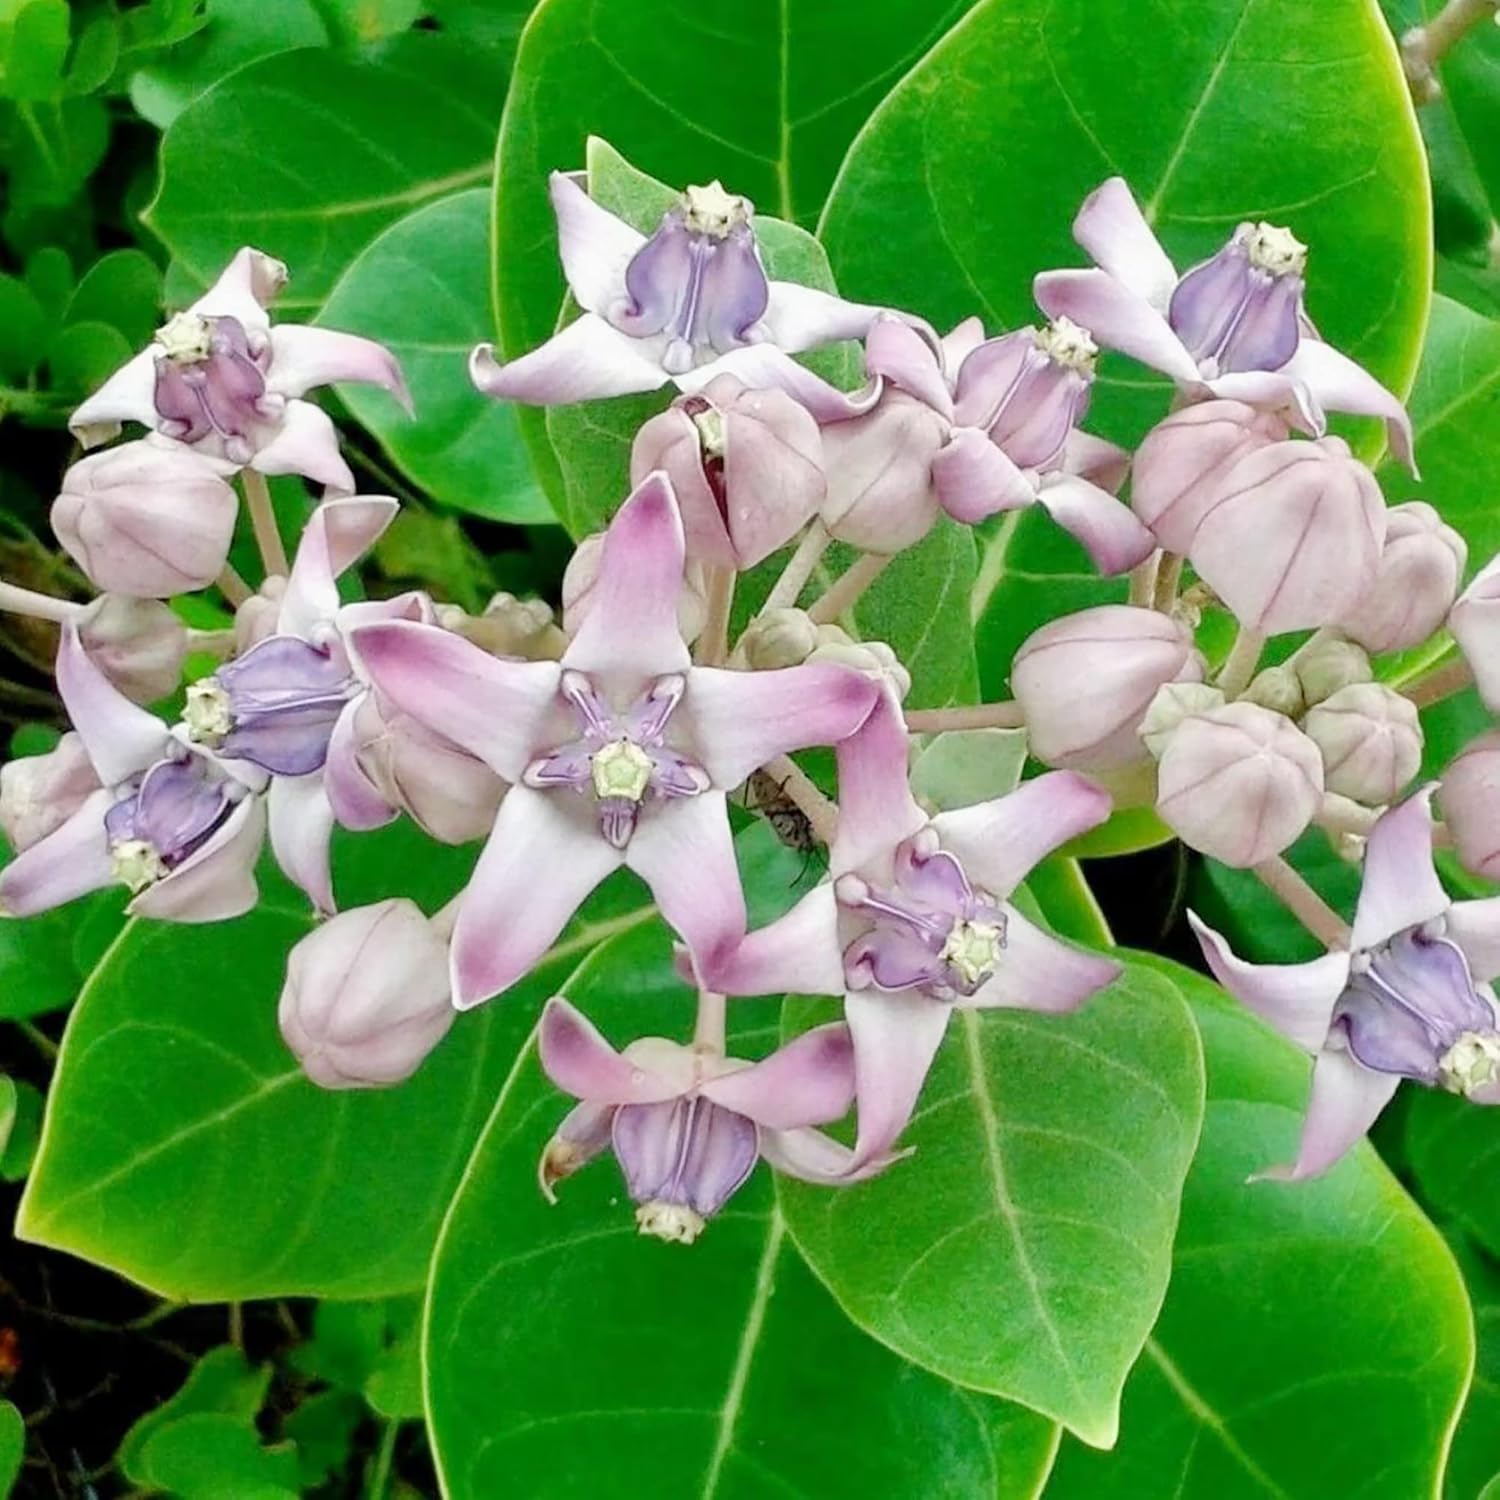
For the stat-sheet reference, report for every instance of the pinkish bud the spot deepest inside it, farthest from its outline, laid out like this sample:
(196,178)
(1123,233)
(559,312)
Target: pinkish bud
(366,996)
(1475,623)
(1239,783)
(446,791)
(1469,798)
(146,520)
(1294,538)
(1419,572)
(583,568)
(779,638)
(257,617)
(1180,466)
(508,627)
(747,467)
(879,467)
(1084,683)
(139,644)
(39,793)
(1371,740)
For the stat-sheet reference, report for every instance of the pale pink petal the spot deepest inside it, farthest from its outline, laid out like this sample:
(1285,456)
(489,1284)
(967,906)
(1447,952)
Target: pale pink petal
(121,738)
(740,720)
(245,288)
(543,857)
(797,954)
(809,1081)
(301,819)
(303,357)
(876,807)
(1103,463)
(1273,390)
(1475,927)
(812,1156)
(585,361)
(337,534)
(1116,317)
(631,626)
(1114,231)
(765,367)
(1037,972)
(1339,384)
(217,881)
(896,352)
(595,247)
(577,1058)
(307,443)
(356,802)
(998,842)
(1297,999)
(958,345)
(802,317)
(71,861)
(129,395)
(497,710)
(1400,886)
(1111,533)
(973,478)
(1346,1100)
(896,1038)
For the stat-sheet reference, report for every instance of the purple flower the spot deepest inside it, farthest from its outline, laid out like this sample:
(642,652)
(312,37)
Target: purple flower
(619,754)
(175,825)
(915,920)
(686,1125)
(1411,998)
(1232,326)
(221,380)
(691,303)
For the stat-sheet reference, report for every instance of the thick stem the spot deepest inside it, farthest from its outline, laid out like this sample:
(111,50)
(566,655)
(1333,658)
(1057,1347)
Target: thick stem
(1168,581)
(788,588)
(380,1467)
(846,591)
(1239,666)
(1143,580)
(981,716)
(708,1030)
(263,523)
(713,643)
(1452,677)
(215,642)
(233,587)
(1304,902)
(1424,47)
(822,814)
(18,601)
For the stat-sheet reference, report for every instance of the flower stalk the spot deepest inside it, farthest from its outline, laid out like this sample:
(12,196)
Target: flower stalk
(849,588)
(1303,902)
(788,588)
(263,524)
(1006,715)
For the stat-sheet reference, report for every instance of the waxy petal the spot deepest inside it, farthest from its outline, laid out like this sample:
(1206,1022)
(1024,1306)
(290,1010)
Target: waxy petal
(1110,532)
(798,953)
(303,357)
(960,343)
(1400,886)
(301,821)
(245,288)
(973,479)
(802,317)
(1345,1102)
(1273,390)
(812,1156)
(896,1038)
(876,808)
(577,1058)
(216,882)
(896,352)
(338,534)
(765,367)
(809,1081)
(1339,384)
(1114,231)
(1097,460)
(121,738)
(1475,927)
(1117,317)
(356,801)
(585,361)
(306,443)
(71,861)
(1037,972)
(129,395)
(595,246)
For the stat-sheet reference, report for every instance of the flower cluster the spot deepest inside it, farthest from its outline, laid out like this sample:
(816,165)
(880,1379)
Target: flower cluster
(618,739)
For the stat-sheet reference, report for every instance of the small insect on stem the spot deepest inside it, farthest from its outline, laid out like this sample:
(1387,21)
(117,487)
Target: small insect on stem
(765,795)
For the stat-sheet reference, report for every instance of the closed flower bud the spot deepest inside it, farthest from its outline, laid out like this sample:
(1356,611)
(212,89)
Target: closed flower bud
(1469,798)
(256,618)
(747,466)
(139,644)
(142,519)
(39,793)
(583,568)
(1420,568)
(1084,683)
(1279,689)
(778,638)
(1328,666)
(1179,469)
(1475,623)
(508,627)
(366,996)
(1294,538)
(873,658)
(1174,702)
(1239,783)
(1371,741)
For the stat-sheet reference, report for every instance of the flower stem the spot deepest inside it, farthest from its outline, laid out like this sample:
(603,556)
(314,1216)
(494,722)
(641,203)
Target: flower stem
(215,642)
(1143,580)
(713,644)
(1424,47)
(1303,902)
(822,814)
(1452,677)
(380,1469)
(263,523)
(847,589)
(1239,666)
(708,1030)
(18,601)
(981,716)
(232,586)
(1168,581)
(788,588)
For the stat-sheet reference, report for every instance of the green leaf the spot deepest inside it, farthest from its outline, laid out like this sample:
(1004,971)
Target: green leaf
(1454,1147)
(33,47)
(213,1457)
(122,289)
(420,289)
(217,1171)
(49,274)
(21,1111)
(1315,1340)
(1024,1249)
(12,1445)
(84,355)
(23,328)
(323,1429)
(346,1342)
(1475,1455)
(393,1385)
(415,126)
(55,147)
(568,1356)
(353,23)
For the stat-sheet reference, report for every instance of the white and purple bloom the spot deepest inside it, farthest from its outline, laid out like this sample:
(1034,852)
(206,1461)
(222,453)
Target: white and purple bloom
(622,753)
(688,304)
(1232,326)
(179,828)
(219,379)
(687,1124)
(915,920)
(1409,999)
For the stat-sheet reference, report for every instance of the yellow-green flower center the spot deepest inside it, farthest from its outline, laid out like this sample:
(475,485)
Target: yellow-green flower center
(621,769)
(973,950)
(1276,250)
(185,338)
(206,712)
(136,864)
(711,211)
(1472,1062)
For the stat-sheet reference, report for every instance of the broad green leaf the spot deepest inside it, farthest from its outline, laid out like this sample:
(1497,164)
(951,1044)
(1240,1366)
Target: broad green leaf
(391,135)
(565,1355)
(1475,1456)
(323,1429)
(84,355)
(21,1112)
(122,289)
(12,1445)
(1024,1249)
(420,289)
(55,146)
(1315,1341)
(33,47)
(218,1171)
(960,767)
(213,1457)
(49,274)
(23,328)
(347,1340)
(1454,1147)
(355,22)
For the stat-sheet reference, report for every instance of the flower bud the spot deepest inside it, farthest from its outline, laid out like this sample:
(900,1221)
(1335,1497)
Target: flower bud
(257,617)
(747,466)
(1239,783)
(583,569)
(1475,623)
(508,627)
(1469,799)
(879,467)
(1279,689)
(1174,702)
(1420,568)
(1179,469)
(1294,538)
(1084,683)
(1371,741)
(139,644)
(1328,666)
(366,996)
(778,638)
(873,658)
(39,793)
(147,520)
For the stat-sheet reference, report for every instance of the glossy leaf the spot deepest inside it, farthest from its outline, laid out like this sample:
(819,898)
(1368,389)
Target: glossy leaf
(1315,1340)
(213,1457)
(719,1370)
(1475,1456)
(1024,1249)
(20,1127)
(12,1445)
(1454,1149)
(420,289)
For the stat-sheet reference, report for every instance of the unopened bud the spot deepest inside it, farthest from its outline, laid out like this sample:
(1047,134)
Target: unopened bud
(1174,702)
(1279,689)
(1469,799)
(139,644)
(1475,623)
(873,658)
(1328,666)
(1371,739)
(257,617)
(583,569)
(1420,567)
(366,996)
(39,793)
(1239,783)
(779,638)
(508,627)
(1084,683)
